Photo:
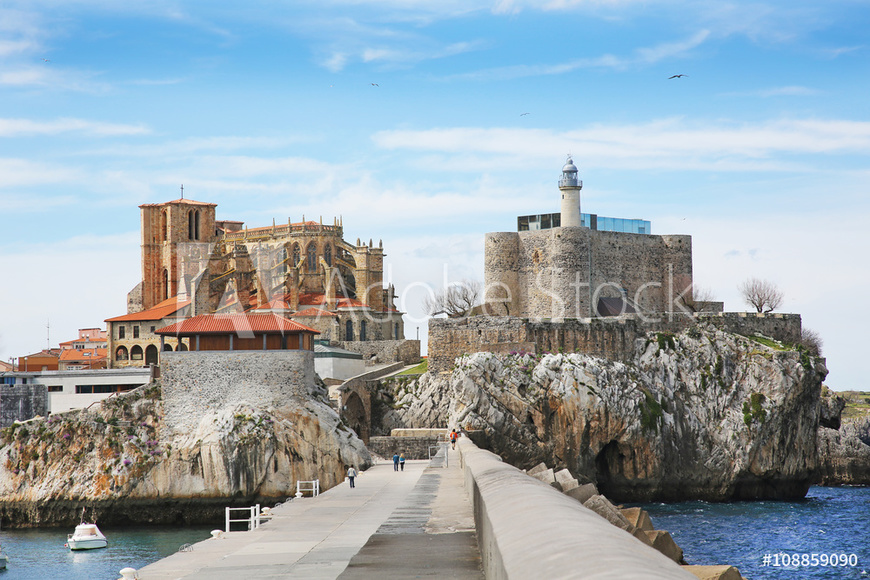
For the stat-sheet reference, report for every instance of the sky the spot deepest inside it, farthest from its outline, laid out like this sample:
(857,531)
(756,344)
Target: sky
(428,124)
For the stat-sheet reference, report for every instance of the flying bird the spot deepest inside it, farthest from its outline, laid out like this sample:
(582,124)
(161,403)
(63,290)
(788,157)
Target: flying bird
(523,114)
(46,60)
(677,77)
(375,85)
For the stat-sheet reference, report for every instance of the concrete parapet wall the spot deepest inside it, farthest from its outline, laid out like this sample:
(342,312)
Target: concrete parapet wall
(783,327)
(22,402)
(199,382)
(527,529)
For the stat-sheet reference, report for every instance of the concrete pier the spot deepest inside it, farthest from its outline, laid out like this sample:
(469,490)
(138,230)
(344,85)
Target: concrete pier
(391,525)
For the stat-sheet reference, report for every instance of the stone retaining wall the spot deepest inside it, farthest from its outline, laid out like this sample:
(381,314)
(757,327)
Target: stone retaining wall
(199,382)
(384,351)
(22,402)
(412,447)
(527,529)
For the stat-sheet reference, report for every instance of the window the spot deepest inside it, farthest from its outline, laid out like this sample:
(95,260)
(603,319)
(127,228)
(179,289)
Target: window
(312,257)
(135,332)
(297,255)
(153,328)
(348,333)
(55,388)
(327,255)
(122,332)
(193,224)
(397,331)
(362,330)
(121,353)
(165,284)
(136,353)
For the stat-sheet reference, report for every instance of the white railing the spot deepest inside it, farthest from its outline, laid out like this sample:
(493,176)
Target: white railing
(438,449)
(310,486)
(253,520)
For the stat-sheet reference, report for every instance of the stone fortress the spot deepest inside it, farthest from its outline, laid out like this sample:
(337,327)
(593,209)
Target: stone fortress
(571,287)
(193,264)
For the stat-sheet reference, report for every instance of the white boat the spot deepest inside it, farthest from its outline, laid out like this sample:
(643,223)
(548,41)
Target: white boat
(86,537)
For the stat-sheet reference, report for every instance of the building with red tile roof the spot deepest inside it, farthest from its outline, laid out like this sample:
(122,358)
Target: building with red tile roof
(72,359)
(241,332)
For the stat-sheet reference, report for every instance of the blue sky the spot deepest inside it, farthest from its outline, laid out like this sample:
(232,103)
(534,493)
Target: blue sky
(269,110)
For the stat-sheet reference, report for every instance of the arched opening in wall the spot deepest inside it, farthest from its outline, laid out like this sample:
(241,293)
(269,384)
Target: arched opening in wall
(362,330)
(609,469)
(311,253)
(327,255)
(196,222)
(354,414)
(121,353)
(297,255)
(136,353)
(167,348)
(190,227)
(396,333)
(285,257)
(348,330)
(181,347)
(151,355)
(164,227)
(165,289)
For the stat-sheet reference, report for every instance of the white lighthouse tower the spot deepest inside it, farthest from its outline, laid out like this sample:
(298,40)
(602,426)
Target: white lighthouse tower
(570,187)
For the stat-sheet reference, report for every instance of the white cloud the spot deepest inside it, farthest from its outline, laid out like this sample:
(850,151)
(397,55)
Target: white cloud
(23,127)
(787,91)
(23,172)
(666,143)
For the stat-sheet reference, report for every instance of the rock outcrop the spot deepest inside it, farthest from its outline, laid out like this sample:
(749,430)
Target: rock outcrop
(845,453)
(702,414)
(114,460)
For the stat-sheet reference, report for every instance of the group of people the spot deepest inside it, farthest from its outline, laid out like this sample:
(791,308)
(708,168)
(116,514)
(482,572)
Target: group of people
(398,460)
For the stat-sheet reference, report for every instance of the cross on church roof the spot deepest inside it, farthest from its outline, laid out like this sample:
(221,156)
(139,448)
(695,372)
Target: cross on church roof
(182,191)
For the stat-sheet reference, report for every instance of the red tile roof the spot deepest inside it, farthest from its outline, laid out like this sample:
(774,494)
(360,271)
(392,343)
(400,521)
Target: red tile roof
(316,299)
(235,323)
(83,354)
(312,312)
(157,312)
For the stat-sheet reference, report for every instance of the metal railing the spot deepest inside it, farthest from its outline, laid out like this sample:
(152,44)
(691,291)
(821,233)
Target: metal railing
(308,486)
(438,455)
(253,520)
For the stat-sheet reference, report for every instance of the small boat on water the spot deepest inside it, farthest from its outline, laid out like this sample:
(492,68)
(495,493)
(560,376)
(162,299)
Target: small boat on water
(4,559)
(86,537)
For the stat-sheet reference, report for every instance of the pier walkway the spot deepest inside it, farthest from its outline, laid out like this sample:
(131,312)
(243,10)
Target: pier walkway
(413,523)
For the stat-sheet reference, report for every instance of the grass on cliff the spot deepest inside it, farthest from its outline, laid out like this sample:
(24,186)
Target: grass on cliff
(417,370)
(857,404)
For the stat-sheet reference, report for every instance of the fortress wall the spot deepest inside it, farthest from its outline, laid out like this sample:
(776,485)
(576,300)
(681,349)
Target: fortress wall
(199,382)
(557,533)
(561,272)
(610,338)
(22,402)
(500,271)
(385,351)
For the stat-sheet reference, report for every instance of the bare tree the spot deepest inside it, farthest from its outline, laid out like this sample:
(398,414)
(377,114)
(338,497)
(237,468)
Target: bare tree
(812,341)
(763,295)
(455,301)
(702,299)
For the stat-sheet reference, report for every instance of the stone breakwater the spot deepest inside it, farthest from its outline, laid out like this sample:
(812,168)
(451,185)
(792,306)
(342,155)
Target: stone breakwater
(120,462)
(702,414)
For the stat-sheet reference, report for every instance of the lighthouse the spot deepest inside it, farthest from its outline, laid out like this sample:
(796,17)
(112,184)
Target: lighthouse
(570,187)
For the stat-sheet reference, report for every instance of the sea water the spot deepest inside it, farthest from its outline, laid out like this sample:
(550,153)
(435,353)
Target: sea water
(40,554)
(830,521)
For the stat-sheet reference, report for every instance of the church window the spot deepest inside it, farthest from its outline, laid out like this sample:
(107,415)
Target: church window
(193,224)
(312,257)
(348,334)
(362,330)
(327,255)
(165,284)
(397,331)
(163,226)
(284,265)
(296,255)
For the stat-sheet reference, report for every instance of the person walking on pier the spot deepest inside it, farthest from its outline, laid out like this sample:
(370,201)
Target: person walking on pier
(402,462)
(395,462)
(453,436)
(351,474)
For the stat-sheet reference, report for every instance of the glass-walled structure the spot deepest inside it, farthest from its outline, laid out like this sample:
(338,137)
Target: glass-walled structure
(592,221)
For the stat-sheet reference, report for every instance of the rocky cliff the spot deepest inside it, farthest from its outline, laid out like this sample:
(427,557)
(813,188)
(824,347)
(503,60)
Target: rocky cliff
(114,460)
(844,438)
(702,414)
